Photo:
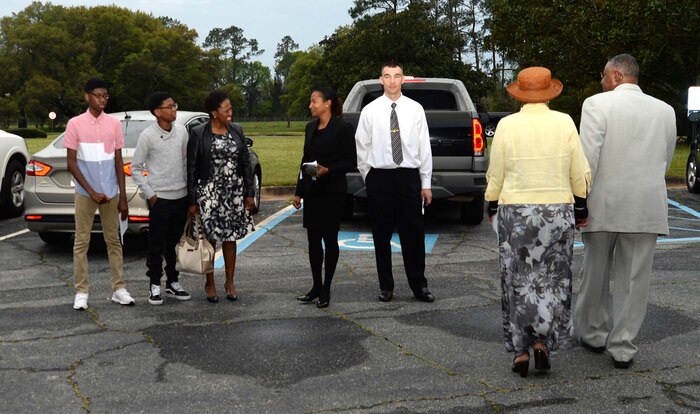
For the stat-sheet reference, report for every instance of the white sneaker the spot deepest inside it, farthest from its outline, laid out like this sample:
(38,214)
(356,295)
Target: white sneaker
(122,297)
(154,295)
(80,301)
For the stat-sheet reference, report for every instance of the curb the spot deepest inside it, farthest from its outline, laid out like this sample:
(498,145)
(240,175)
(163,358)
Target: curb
(277,192)
(675,182)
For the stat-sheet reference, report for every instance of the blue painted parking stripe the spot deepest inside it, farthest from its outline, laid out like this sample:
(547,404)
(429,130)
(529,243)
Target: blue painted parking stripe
(666,240)
(362,241)
(683,208)
(685,229)
(260,229)
(682,218)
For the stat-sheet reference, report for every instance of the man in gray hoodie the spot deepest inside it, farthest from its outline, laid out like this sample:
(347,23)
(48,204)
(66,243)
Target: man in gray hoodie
(162,150)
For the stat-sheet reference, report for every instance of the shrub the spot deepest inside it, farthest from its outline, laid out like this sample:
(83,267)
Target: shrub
(27,132)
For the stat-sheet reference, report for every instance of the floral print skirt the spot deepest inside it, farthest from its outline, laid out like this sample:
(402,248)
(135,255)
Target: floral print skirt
(535,244)
(221,198)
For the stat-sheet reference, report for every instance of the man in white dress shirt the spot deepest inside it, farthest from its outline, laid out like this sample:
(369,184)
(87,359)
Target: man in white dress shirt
(395,160)
(628,138)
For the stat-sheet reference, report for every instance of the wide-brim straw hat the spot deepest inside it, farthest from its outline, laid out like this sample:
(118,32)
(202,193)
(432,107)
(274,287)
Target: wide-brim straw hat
(534,85)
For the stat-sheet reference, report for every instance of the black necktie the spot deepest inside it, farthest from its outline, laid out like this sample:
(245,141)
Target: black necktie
(396,151)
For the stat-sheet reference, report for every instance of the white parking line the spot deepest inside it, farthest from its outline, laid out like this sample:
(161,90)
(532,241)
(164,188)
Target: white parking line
(17,233)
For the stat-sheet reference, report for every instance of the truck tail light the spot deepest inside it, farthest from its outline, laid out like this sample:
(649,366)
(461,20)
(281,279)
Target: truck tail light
(478,141)
(38,169)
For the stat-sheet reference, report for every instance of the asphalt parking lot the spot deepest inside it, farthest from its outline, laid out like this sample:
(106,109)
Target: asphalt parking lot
(268,353)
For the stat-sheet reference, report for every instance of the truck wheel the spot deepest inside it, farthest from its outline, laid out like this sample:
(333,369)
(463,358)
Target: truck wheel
(692,180)
(54,238)
(349,207)
(473,211)
(12,197)
(490,130)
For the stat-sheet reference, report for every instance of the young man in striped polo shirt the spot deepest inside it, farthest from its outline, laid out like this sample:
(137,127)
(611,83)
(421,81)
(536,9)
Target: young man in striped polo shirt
(94,142)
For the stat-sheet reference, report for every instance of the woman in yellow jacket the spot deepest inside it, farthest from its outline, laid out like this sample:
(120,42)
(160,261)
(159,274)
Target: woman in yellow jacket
(538,181)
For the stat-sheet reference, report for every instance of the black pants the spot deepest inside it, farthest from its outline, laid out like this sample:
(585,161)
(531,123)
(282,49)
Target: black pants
(394,199)
(330,239)
(167,220)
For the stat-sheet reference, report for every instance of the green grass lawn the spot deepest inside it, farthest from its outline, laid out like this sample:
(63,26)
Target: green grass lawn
(278,128)
(280,148)
(680,158)
(280,158)
(36,144)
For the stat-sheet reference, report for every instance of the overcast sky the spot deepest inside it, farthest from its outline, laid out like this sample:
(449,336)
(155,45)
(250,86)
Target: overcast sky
(268,21)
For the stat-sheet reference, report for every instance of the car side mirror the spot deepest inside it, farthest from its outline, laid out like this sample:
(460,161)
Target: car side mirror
(248,142)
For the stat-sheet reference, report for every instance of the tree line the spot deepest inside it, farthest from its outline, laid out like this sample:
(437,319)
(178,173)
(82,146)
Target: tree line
(48,51)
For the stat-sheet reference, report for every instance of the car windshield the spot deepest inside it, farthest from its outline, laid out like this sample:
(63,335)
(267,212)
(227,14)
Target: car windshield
(130,128)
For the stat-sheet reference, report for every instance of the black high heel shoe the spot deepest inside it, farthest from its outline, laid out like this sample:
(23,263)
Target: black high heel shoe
(232,298)
(542,359)
(308,297)
(521,367)
(211,299)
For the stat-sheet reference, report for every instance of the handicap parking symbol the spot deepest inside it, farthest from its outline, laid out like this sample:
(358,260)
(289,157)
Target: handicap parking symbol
(349,240)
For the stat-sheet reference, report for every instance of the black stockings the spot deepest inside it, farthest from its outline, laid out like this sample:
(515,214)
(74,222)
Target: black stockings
(330,240)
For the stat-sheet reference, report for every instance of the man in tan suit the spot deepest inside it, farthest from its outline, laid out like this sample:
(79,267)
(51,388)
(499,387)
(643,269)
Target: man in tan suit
(628,138)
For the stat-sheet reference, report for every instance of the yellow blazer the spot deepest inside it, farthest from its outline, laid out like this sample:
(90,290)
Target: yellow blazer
(536,158)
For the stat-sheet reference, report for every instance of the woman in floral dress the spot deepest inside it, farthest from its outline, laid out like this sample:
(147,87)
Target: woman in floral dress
(220,184)
(538,180)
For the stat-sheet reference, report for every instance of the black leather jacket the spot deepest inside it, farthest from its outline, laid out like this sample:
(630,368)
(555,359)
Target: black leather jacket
(199,159)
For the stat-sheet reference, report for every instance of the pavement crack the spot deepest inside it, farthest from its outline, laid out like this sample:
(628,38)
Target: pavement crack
(406,352)
(73,372)
(52,337)
(672,391)
(32,370)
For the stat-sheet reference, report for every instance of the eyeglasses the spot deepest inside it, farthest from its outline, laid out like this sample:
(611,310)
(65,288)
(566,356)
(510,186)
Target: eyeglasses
(104,96)
(171,107)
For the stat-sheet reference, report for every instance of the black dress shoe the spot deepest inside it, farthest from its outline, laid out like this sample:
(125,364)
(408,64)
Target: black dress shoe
(213,299)
(322,303)
(622,364)
(386,295)
(424,295)
(594,349)
(308,297)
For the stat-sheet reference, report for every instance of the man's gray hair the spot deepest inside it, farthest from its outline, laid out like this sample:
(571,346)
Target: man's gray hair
(626,64)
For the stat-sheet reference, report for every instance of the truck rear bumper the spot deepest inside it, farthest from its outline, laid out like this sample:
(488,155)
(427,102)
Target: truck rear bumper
(457,185)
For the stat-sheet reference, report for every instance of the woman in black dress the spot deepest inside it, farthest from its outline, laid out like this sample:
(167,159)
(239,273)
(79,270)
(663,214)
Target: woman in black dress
(330,142)
(220,184)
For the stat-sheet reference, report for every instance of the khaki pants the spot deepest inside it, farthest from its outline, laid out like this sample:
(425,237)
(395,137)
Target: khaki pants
(84,218)
(627,259)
